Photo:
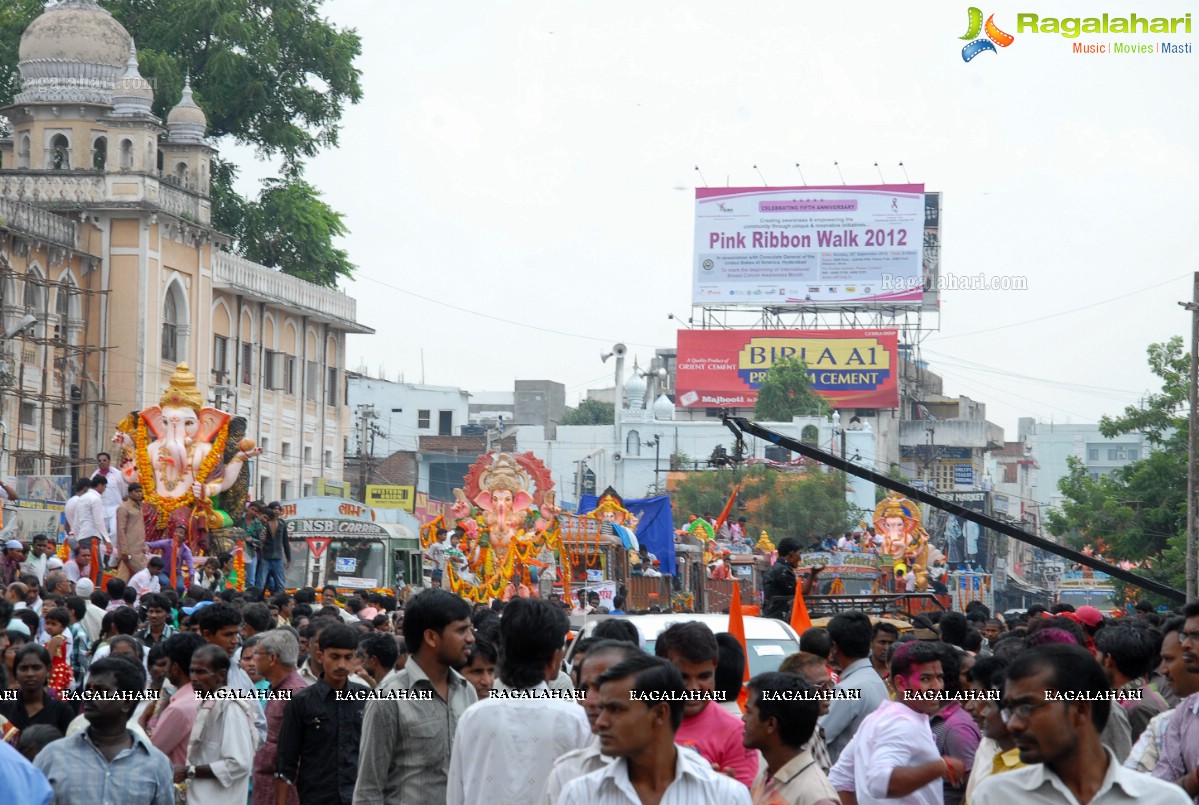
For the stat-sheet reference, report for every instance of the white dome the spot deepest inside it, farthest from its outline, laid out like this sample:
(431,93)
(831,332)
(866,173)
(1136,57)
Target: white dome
(663,408)
(186,122)
(635,384)
(132,95)
(72,53)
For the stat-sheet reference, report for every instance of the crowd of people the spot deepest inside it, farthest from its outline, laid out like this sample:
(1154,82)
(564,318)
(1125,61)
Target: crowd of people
(111,696)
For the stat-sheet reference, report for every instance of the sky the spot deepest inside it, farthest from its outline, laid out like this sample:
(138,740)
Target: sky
(519,178)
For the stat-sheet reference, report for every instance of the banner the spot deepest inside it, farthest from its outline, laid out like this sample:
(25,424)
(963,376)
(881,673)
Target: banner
(391,497)
(826,246)
(849,368)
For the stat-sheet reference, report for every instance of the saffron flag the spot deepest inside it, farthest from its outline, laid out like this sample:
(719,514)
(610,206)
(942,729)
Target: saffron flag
(800,621)
(728,508)
(737,630)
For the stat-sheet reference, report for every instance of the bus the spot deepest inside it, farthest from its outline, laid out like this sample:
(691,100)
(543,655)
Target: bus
(339,542)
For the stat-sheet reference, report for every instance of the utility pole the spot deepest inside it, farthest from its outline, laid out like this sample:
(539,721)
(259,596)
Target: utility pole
(1192,588)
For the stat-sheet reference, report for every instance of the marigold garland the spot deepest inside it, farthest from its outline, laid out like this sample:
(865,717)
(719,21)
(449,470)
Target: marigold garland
(239,565)
(145,472)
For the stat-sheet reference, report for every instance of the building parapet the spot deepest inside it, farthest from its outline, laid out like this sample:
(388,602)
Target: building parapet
(38,223)
(79,189)
(231,272)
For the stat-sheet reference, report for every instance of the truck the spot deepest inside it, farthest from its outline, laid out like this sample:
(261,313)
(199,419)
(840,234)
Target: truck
(1087,588)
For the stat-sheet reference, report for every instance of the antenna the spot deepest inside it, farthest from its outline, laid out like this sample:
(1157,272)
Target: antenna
(905,174)
(880,173)
(837,165)
(760,176)
(701,176)
(801,177)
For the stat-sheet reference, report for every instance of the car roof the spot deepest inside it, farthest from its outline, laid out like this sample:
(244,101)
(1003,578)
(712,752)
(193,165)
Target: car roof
(756,628)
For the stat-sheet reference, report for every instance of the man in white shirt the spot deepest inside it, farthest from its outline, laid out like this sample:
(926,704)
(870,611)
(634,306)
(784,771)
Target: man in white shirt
(221,751)
(39,557)
(146,579)
(114,492)
(91,521)
(81,486)
(1061,738)
(639,732)
(599,658)
(505,746)
(893,756)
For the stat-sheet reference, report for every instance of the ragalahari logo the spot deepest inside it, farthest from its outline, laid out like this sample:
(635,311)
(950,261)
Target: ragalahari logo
(979,45)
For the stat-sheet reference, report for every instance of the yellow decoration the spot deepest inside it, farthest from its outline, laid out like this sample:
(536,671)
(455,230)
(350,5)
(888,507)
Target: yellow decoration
(239,565)
(764,542)
(182,391)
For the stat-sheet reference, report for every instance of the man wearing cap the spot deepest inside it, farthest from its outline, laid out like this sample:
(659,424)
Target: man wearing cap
(10,563)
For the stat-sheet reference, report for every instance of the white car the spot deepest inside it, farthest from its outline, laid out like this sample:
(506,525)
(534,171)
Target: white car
(769,641)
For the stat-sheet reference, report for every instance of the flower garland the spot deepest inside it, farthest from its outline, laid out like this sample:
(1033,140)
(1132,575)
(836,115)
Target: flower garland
(239,566)
(145,472)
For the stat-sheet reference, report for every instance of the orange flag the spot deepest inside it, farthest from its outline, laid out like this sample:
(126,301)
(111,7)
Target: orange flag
(737,630)
(724,514)
(800,621)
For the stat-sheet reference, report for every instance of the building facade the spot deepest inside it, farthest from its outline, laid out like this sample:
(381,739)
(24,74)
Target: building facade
(106,240)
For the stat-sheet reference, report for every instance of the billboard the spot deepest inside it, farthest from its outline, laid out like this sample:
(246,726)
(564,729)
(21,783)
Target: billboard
(932,251)
(809,245)
(725,368)
(391,497)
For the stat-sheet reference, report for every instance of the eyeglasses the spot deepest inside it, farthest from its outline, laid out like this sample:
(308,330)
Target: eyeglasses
(1022,711)
(1192,637)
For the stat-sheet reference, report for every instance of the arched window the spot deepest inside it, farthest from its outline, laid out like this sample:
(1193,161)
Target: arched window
(60,153)
(632,444)
(809,435)
(172,325)
(159,161)
(100,153)
(181,173)
(126,155)
(64,307)
(23,152)
(33,292)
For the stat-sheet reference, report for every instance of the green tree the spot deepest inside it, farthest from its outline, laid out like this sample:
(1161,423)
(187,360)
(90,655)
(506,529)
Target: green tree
(290,227)
(273,74)
(786,392)
(590,412)
(1138,511)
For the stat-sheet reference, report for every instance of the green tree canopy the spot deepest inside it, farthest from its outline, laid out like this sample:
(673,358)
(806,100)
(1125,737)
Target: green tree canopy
(1138,511)
(273,74)
(786,393)
(590,412)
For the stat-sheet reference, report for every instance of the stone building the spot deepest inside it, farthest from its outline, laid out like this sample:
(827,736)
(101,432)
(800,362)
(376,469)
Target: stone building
(111,274)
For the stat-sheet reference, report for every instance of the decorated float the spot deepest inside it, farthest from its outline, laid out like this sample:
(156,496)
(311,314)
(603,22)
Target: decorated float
(190,460)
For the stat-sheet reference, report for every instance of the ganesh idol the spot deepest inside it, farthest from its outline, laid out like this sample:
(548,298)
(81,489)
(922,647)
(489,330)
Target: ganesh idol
(182,468)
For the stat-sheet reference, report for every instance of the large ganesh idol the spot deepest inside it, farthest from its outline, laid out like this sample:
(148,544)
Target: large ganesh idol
(508,521)
(897,520)
(183,466)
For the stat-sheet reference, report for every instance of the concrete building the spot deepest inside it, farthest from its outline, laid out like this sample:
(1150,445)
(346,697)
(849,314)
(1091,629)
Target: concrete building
(1053,444)
(106,241)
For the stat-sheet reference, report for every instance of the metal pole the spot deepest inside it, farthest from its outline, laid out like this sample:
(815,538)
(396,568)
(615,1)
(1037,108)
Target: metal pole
(1192,459)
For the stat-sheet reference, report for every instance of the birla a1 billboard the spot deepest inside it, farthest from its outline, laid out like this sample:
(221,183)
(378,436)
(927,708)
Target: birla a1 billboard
(849,368)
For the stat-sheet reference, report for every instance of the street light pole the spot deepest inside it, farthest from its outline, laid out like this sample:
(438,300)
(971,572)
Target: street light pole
(657,445)
(1192,587)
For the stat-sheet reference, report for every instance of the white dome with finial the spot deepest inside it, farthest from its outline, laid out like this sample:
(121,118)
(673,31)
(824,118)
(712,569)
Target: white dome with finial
(663,408)
(73,53)
(186,122)
(132,96)
(634,389)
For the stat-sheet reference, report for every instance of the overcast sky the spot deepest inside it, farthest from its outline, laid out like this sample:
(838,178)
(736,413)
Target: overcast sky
(518,180)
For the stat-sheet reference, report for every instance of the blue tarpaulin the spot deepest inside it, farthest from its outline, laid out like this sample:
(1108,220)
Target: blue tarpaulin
(655,526)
